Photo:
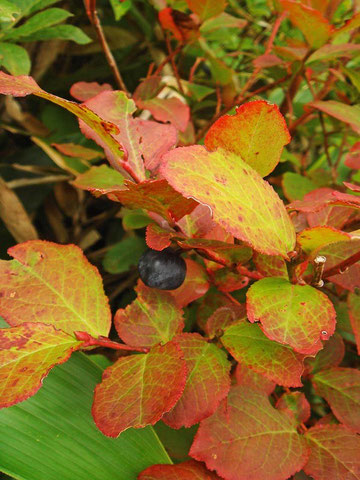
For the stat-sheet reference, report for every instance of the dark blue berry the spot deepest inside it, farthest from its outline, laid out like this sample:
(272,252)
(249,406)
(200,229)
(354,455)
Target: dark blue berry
(164,270)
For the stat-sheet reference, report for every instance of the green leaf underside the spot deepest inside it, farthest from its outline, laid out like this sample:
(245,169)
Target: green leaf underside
(297,315)
(241,201)
(250,347)
(52,436)
(247,439)
(137,390)
(53,284)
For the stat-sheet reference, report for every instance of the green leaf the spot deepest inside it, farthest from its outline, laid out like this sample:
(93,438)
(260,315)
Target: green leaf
(40,4)
(330,52)
(296,186)
(15,59)
(296,315)
(250,347)
(99,178)
(120,7)
(242,202)
(121,256)
(8,11)
(61,32)
(52,436)
(41,20)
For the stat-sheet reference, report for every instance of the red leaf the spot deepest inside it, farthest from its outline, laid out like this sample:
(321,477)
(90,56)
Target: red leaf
(330,356)
(341,389)
(158,238)
(208,304)
(141,140)
(207,384)
(247,439)
(190,470)
(257,133)
(27,354)
(270,266)
(185,28)
(53,284)
(83,91)
(295,405)
(248,378)
(152,318)
(103,130)
(224,317)
(349,114)
(198,222)
(195,286)
(297,315)
(354,313)
(171,110)
(221,180)
(137,390)
(334,453)
(315,28)
(352,159)
(250,347)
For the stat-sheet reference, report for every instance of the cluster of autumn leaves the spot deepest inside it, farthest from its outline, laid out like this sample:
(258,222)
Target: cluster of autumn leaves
(200,198)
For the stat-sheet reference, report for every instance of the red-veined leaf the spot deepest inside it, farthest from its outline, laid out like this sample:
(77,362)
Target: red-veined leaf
(296,315)
(53,284)
(295,405)
(171,110)
(330,356)
(312,239)
(83,91)
(334,453)
(137,390)
(248,378)
(257,134)
(224,317)
(206,8)
(27,353)
(349,114)
(352,159)
(152,318)
(353,302)
(270,266)
(315,28)
(208,381)
(241,201)
(195,286)
(248,439)
(104,130)
(190,470)
(250,347)
(141,140)
(341,389)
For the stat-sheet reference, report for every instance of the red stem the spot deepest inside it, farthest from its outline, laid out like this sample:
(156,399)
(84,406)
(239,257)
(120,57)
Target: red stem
(90,341)
(341,267)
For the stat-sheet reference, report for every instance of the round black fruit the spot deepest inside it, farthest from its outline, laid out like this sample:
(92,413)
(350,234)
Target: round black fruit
(164,270)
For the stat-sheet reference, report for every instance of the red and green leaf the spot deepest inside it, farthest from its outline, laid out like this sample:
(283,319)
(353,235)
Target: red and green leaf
(334,453)
(137,390)
(297,315)
(27,354)
(152,318)
(314,238)
(354,314)
(241,201)
(248,134)
(330,356)
(248,439)
(295,405)
(206,8)
(208,381)
(53,284)
(341,389)
(195,286)
(248,378)
(250,347)
(223,317)
(190,470)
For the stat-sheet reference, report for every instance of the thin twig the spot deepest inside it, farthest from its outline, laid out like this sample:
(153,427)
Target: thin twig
(168,59)
(25,182)
(173,64)
(94,19)
(326,147)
